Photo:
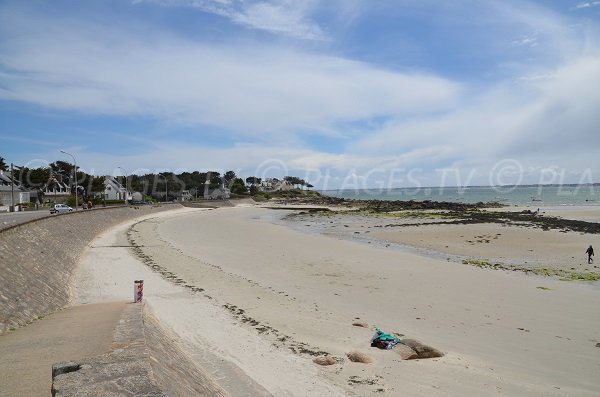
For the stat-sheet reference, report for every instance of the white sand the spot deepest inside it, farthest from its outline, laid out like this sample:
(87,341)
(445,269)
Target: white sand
(236,357)
(502,335)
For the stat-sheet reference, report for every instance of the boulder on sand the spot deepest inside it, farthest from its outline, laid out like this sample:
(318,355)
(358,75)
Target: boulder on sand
(423,351)
(405,352)
(358,357)
(325,360)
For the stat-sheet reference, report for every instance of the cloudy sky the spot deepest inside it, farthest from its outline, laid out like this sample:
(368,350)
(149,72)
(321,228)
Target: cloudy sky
(345,93)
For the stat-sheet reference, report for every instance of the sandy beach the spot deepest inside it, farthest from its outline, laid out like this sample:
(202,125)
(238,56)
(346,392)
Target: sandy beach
(254,302)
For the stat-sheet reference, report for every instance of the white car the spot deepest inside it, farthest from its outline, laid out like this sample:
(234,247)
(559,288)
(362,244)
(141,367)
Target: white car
(57,208)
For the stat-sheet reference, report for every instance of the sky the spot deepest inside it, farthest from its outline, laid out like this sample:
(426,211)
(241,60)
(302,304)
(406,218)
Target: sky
(343,93)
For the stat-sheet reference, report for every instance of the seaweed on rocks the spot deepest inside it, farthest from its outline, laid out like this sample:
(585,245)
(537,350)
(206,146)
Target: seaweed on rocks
(462,213)
(398,205)
(388,205)
(527,218)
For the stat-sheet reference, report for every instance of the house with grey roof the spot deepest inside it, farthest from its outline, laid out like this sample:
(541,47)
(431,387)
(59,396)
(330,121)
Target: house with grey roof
(55,189)
(274,185)
(11,191)
(113,190)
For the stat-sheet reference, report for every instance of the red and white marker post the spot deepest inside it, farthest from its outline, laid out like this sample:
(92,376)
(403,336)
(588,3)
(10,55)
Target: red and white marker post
(138,290)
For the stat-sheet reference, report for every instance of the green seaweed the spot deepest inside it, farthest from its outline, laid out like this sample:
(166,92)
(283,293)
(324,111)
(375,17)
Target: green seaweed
(563,275)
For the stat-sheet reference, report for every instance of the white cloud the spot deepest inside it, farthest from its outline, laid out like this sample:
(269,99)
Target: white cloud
(256,90)
(587,5)
(288,17)
(545,121)
(528,41)
(544,115)
(280,17)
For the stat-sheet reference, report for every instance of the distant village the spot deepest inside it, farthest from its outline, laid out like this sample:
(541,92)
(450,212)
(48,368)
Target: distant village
(22,187)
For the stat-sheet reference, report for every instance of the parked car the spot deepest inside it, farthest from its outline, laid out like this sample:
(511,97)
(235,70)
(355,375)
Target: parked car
(57,208)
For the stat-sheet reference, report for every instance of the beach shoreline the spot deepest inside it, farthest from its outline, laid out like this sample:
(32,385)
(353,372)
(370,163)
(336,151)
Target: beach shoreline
(288,296)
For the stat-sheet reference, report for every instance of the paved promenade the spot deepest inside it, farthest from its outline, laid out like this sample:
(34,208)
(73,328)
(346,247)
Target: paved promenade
(70,334)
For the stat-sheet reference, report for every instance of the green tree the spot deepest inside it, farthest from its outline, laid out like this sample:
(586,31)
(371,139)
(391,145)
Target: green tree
(3,165)
(215,179)
(229,178)
(238,186)
(63,168)
(34,177)
(295,181)
(252,180)
(97,184)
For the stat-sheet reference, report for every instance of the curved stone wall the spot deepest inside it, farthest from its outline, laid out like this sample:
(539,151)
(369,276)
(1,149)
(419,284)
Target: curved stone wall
(38,259)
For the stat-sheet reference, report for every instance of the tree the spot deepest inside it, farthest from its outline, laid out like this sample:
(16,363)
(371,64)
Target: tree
(97,184)
(253,190)
(238,186)
(63,168)
(3,165)
(34,177)
(215,180)
(295,181)
(253,181)
(229,178)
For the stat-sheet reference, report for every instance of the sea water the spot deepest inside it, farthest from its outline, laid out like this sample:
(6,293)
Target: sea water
(514,195)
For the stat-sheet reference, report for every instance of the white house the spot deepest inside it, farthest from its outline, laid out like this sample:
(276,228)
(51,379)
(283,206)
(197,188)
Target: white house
(184,195)
(113,190)
(55,188)
(220,193)
(274,185)
(7,194)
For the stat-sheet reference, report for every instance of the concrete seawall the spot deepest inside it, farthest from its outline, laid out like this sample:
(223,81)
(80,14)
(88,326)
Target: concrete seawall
(38,260)
(144,361)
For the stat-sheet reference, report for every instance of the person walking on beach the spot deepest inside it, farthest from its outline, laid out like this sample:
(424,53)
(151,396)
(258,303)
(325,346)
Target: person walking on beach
(590,252)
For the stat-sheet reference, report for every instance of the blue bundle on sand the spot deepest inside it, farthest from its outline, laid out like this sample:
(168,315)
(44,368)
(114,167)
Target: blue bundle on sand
(383,341)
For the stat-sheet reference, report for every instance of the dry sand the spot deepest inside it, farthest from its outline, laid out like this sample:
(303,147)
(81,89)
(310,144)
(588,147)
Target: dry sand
(269,290)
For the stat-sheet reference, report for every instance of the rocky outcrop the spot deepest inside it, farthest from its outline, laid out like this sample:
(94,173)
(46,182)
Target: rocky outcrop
(38,259)
(387,205)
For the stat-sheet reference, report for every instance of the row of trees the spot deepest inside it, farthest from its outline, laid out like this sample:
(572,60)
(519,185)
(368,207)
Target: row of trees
(297,182)
(147,184)
(195,182)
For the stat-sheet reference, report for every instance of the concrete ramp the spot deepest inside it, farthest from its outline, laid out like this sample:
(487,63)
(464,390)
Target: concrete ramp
(143,361)
(74,333)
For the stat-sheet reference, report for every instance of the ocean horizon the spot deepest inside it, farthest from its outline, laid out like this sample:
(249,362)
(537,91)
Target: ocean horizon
(540,195)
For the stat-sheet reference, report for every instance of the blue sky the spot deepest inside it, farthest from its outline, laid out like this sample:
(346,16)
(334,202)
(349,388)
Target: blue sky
(345,93)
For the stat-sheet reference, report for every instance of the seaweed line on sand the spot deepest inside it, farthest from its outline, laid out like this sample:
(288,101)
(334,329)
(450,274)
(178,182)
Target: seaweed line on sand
(238,313)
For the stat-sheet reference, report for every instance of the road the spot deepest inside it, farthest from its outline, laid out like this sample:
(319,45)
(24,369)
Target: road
(8,219)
